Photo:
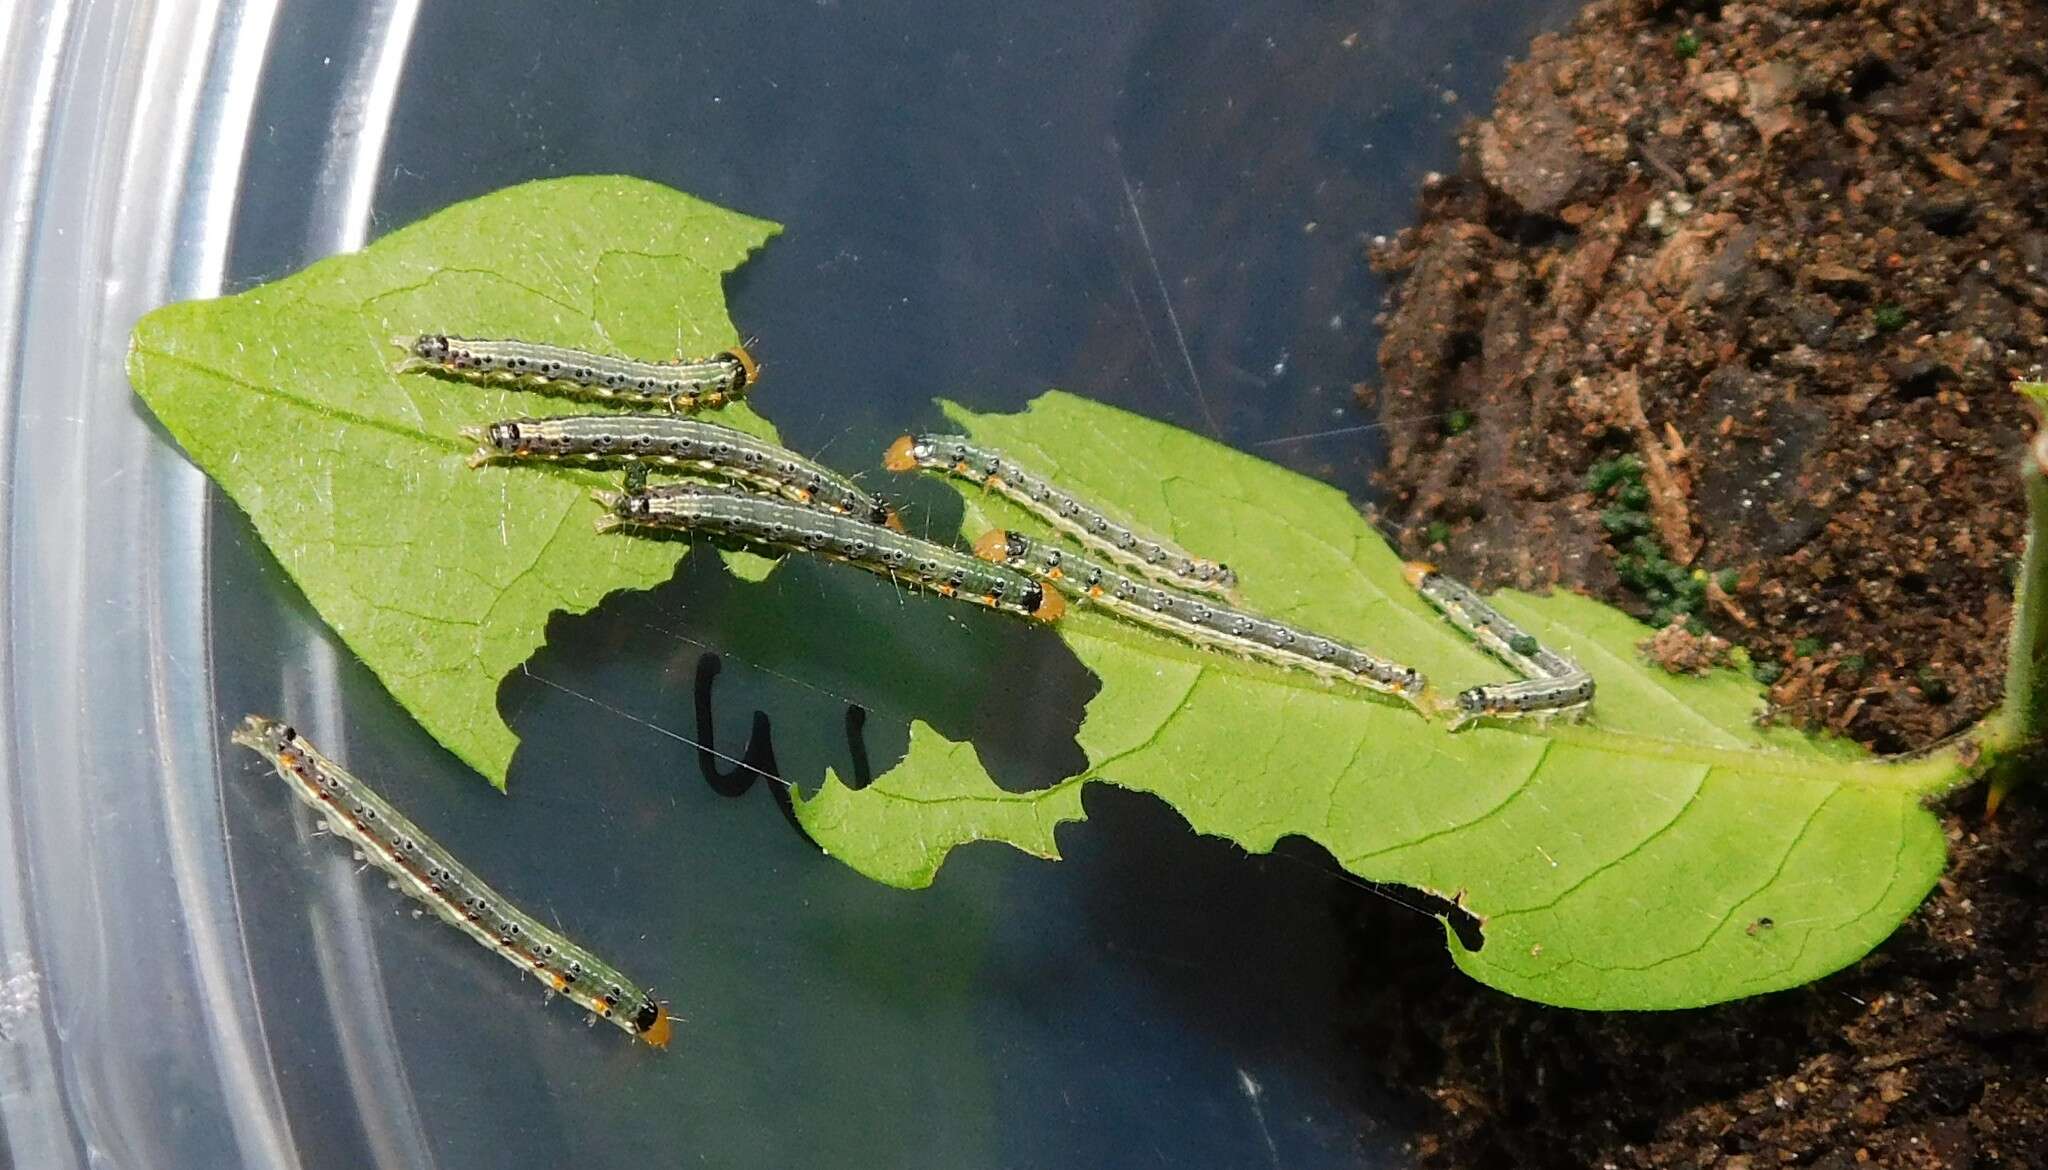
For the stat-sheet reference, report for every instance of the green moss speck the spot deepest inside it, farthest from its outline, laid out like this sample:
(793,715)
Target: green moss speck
(1606,473)
(1671,589)
(1625,522)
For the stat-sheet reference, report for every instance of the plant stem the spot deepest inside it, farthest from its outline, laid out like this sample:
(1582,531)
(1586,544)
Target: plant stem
(2025,712)
(2024,693)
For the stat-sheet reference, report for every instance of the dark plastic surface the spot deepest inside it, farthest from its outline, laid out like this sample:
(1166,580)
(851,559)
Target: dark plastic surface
(1160,206)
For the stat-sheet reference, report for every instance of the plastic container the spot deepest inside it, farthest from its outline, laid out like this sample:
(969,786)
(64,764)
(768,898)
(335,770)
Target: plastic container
(1160,207)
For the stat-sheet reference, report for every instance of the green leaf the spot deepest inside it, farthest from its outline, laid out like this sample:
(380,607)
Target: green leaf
(439,577)
(898,829)
(1669,852)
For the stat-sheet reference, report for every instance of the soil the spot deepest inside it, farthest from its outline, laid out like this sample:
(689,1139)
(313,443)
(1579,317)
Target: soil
(1789,260)
(1932,1052)
(1717,322)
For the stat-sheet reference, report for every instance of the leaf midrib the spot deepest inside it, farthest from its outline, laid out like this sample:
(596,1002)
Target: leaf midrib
(395,430)
(1760,760)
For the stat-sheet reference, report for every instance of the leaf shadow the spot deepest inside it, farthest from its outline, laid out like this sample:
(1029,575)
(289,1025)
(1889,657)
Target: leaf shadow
(1248,958)
(818,666)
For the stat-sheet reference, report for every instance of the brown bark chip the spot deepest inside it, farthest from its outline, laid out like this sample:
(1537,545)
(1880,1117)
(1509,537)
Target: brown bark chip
(1680,651)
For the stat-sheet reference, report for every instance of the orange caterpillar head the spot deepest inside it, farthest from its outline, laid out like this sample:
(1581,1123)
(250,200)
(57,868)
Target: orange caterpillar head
(1051,606)
(1415,571)
(749,368)
(899,456)
(652,1024)
(993,545)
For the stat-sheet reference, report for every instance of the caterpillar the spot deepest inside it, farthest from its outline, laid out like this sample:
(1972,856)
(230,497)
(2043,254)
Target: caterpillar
(1198,619)
(693,444)
(678,385)
(1553,683)
(424,870)
(1151,556)
(762,520)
